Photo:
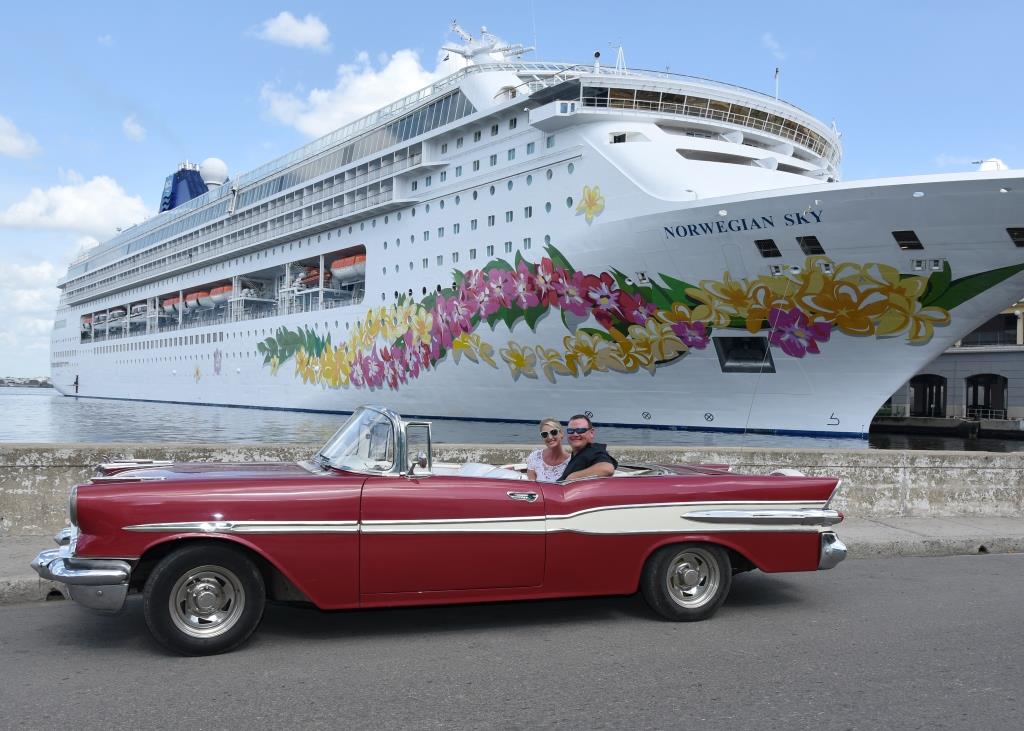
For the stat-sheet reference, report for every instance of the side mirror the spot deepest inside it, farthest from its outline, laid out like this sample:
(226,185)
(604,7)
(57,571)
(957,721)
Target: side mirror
(420,461)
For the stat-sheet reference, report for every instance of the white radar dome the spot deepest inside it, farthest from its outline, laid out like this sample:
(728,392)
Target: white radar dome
(992,164)
(213,171)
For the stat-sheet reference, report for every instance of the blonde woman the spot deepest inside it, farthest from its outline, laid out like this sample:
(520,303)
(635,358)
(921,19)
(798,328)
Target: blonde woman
(547,464)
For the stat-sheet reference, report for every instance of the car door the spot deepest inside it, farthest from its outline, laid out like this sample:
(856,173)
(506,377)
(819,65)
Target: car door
(447,533)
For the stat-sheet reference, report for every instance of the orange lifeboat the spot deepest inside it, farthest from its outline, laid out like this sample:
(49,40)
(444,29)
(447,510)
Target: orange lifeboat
(192,300)
(204,299)
(311,277)
(219,295)
(170,304)
(349,268)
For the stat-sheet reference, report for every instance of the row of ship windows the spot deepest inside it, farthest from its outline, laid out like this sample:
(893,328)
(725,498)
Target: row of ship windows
(492,161)
(472,254)
(906,240)
(474,224)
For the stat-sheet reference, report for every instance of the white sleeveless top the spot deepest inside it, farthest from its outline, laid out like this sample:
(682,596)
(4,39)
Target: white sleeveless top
(545,472)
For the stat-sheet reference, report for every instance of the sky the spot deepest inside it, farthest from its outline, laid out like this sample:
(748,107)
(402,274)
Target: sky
(99,102)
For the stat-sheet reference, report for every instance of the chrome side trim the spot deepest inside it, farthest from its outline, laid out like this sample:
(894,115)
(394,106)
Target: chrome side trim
(250,526)
(97,583)
(127,478)
(806,516)
(134,464)
(833,551)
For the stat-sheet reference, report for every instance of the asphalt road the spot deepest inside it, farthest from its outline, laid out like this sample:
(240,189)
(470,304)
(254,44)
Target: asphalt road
(929,643)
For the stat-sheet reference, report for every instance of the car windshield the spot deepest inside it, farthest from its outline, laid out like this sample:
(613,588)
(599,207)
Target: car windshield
(365,443)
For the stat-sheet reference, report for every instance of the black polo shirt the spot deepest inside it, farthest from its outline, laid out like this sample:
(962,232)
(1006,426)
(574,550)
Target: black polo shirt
(589,456)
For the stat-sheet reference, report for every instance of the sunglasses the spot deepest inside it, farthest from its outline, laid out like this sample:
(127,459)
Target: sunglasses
(546,434)
(578,430)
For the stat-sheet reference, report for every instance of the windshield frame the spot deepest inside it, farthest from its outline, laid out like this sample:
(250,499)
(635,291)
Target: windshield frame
(359,417)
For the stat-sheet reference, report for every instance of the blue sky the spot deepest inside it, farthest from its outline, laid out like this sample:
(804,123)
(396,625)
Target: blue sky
(99,102)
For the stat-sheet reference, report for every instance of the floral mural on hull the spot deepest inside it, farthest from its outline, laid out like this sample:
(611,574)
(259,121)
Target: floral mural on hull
(616,324)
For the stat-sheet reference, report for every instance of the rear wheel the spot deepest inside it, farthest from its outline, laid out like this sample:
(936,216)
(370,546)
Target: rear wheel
(204,599)
(687,582)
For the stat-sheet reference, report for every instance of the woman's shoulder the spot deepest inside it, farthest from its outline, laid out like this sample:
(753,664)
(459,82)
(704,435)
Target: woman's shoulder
(535,456)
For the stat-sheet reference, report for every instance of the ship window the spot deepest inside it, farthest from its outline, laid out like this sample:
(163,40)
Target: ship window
(511,154)
(493,160)
(426,235)
(508,216)
(444,175)
(425,263)
(458,143)
(490,250)
(440,232)
(472,224)
(810,245)
(472,254)
(458,171)
(907,240)
(767,248)
(427,181)
(490,220)
(530,147)
(455,257)
(476,165)
(415,185)
(494,130)
(528,212)
(550,142)
(619,138)
(1016,235)
(527,243)
(476,136)
(512,123)
(456,227)
(744,355)
(444,148)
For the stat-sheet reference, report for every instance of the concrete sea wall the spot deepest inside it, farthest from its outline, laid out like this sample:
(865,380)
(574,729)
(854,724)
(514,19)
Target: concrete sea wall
(35,479)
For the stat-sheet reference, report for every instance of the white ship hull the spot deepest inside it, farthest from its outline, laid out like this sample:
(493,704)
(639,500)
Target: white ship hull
(731,336)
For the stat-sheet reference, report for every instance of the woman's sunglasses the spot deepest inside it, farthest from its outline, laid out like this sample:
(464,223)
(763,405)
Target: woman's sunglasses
(546,434)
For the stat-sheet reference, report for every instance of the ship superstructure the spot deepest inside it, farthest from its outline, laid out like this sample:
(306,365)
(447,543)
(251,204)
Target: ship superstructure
(523,238)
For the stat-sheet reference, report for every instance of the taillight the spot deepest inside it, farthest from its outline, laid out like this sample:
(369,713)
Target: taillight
(73,505)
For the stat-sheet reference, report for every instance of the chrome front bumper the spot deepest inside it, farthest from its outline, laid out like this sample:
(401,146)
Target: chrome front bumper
(833,551)
(100,584)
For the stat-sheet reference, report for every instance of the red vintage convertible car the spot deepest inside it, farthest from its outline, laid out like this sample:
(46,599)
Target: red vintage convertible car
(372,521)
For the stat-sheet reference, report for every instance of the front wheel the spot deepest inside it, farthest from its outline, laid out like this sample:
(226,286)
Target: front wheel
(687,582)
(204,599)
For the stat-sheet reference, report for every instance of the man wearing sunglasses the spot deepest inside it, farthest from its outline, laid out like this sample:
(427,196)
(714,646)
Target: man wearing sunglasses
(589,459)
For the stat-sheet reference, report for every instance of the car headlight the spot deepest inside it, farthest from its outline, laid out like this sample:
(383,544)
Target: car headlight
(73,506)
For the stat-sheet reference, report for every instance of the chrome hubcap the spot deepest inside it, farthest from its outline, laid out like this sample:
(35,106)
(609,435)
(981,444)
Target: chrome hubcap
(693,578)
(207,601)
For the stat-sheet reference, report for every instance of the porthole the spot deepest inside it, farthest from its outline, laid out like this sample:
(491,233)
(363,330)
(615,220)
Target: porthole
(441,204)
(382,297)
(475,193)
(571,168)
(398,216)
(396,269)
(412,238)
(426,208)
(373,223)
(414,213)
(396,294)
(547,207)
(384,271)
(547,239)
(509,184)
(349,230)
(424,290)
(529,180)
(568,202)
(385,246)
(549,174)
(439,288)
(385,220)
(458,200)
(398,242)
(492,190)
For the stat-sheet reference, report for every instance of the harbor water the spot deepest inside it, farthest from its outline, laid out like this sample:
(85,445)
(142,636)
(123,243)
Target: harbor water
(41,415)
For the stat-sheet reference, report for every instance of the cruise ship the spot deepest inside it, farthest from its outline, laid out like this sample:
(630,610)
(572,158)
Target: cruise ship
(524,239)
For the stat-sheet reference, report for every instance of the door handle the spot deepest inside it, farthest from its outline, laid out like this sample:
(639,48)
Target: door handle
(529,497)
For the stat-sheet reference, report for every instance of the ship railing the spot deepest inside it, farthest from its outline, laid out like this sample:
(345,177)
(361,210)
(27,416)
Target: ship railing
(240,242)
(984,412)
(814,144)
(273,211)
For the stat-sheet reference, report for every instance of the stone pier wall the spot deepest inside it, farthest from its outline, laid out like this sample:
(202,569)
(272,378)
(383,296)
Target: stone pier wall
(35,479)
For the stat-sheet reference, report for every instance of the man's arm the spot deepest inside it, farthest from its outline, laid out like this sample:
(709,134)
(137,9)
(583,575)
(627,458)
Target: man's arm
(601,469)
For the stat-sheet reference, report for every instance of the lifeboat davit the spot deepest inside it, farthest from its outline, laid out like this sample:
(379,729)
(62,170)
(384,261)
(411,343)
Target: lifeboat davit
(204,299)
(219,295)
(192,300)
(349,268)
(170,304)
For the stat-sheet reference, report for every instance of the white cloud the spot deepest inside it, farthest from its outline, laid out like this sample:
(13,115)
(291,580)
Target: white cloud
(360,89)
(26,315)
(106,40)
(14,142)
(773,46)
(96,207)
(286,29)
(133,129)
